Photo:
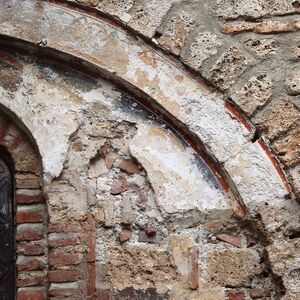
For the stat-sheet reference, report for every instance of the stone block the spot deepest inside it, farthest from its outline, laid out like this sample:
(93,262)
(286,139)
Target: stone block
(280,119)
(148,15)
(293,83)
(228,68)
(233,267)
(175,30)
(283,256)
(139,265)
(228,9)
(254,94)
(205,45)
(287,148)
(263,48)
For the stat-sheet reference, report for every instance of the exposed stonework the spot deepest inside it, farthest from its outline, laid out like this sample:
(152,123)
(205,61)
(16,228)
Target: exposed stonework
(138,215)
(254,94)
(228,68)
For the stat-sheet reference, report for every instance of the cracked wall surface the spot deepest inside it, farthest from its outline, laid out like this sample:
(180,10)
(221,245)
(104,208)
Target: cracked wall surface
(196,199)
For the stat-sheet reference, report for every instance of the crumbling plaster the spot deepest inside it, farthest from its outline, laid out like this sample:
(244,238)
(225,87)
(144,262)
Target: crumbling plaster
(137,65)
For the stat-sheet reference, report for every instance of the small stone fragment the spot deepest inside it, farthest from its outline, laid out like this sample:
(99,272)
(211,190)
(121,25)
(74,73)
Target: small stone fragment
(109,214)
(126,211)
(288,148)
(144,237)
(251,240)
(151,226)
(259,293)
(125,235)
(293,83)
(147,16)
(119,185)
(233,240)
(130,166)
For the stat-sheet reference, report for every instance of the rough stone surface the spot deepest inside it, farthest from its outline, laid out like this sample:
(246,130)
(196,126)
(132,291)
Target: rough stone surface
(254,94)
(228,68)
(205,45)
(136,209)
(174,31)
(280,119)
(140,267)
(293,83)
(288,147)
(147,15)
(233,267)
(254,9)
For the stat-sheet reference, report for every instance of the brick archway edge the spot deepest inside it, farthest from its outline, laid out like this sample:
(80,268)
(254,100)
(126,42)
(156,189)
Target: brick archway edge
(219,134)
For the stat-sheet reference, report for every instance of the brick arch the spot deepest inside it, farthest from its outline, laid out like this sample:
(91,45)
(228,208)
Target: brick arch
(216,130)
(30,208)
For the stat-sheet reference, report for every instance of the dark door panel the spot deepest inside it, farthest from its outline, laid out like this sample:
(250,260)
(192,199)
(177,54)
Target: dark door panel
(7,247)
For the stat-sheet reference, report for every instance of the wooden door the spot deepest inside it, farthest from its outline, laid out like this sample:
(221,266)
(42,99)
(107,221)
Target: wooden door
(7,235)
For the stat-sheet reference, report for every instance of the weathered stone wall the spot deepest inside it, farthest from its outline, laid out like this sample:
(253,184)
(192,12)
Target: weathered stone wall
(247,49)
(136,209)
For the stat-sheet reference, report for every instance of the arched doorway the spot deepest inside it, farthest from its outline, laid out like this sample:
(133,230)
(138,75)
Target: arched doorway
(7,231)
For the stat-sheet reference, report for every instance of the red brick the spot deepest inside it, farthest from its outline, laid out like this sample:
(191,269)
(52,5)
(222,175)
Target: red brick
(29,217)
(16,142)
(259,293)
(63,259)
(35,294)
(64,291)
(194,272)
(91,256)
(31,279)
(238,27)
(235,295)
(119,185)
(29,235)
(64,275)
(30,265)
(144,237)
(151,226)
(104,295)
(4,127)
(91,284)
(233,240)
(125,235)
(63,227)
(28,199)
(273,27)
(213,225)
(27,181)
(62,242)
(30,249)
